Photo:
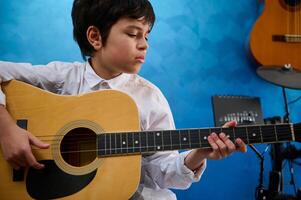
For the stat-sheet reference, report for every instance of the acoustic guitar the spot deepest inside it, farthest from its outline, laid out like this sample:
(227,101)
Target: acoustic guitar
(276,36)
(96,143)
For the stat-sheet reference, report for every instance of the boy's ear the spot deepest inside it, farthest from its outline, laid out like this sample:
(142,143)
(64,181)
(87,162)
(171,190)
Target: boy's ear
(94,37)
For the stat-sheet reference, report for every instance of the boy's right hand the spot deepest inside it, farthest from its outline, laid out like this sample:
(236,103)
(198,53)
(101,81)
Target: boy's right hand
(15,143)
(17,150)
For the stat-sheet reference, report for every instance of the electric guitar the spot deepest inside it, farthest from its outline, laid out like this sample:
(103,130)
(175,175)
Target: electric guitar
(96,143)
(276,36)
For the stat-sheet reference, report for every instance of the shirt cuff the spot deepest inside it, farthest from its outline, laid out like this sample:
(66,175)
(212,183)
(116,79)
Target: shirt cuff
(2,98)
(194,176)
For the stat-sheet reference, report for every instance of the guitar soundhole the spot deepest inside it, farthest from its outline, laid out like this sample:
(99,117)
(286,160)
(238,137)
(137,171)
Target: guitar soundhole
(78,147)
(291,5)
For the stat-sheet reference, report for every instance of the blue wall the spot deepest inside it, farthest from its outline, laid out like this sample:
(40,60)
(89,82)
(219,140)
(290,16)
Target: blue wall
(198,49)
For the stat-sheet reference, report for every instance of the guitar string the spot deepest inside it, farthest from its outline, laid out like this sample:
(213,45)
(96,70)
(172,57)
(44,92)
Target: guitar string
(133,147)
(285,126)
(246,139)
(266,135)
(58,138)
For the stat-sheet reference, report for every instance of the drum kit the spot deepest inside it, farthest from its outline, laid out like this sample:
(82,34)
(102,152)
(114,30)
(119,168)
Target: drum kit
(286,77)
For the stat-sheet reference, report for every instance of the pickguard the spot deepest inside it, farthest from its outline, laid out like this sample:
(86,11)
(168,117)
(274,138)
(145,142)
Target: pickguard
(52,182)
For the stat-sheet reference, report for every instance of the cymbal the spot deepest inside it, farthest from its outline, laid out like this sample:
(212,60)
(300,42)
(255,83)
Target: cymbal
(284,76)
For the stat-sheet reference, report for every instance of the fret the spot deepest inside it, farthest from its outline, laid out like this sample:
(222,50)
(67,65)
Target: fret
(130,142)
(229,133)
(179,136)
(158,141)
(166,140)
(175,139)
(194,139)
(189,139)
(171,145)
(101,145)
(143,141)
(284,132)
(108,145)
(240,132)
(118,143)
(215,130)
(151,141)
(268,134)
(199,133)
(124,143)
(162,140)
(247,134)
(136,141)
(276,137)
(261,134)
(113,143)
(204,137)
(184,139)
(147,144)
(254,134)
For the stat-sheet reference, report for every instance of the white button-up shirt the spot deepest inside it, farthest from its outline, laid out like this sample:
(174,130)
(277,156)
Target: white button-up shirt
(159,171)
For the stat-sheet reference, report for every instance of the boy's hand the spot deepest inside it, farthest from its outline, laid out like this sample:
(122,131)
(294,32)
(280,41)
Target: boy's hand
(15,143)
(17,150)
(221,147)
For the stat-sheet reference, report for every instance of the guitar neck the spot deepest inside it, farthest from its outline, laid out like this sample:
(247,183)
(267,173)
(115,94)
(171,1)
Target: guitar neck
(115,144)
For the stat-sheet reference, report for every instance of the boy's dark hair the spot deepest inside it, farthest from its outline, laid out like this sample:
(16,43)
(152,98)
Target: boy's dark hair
(103,14)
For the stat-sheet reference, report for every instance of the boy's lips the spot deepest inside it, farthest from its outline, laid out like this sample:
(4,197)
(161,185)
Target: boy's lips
(140,58)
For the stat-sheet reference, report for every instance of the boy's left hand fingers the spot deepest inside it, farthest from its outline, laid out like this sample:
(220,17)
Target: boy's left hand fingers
(221,145)
(229,144)
(229,124)
(241,146)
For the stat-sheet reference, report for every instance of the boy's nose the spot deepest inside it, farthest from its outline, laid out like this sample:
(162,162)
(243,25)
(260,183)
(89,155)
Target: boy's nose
(143,45)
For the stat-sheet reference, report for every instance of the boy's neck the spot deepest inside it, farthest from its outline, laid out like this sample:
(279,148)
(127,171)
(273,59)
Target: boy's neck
(101,71)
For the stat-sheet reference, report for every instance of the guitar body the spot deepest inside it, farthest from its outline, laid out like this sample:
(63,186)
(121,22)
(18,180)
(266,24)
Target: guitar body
(276,36)
(51,117)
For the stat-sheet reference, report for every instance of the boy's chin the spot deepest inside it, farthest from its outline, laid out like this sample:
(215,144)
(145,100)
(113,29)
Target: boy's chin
(132,70)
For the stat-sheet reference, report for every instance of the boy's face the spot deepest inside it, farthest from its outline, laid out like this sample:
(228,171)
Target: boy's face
(125,49)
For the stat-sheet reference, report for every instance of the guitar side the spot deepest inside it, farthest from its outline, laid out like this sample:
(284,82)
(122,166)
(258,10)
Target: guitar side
(275,39)
(48,114)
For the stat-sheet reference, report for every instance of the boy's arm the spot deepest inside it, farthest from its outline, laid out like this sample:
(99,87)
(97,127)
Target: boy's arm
(221,145)
(168,169)
(47,77)
(15,143)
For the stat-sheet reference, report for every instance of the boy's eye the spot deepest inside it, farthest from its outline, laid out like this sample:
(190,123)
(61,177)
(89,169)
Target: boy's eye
(132,35)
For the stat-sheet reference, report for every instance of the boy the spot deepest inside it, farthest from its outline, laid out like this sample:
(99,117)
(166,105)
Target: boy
(112,34)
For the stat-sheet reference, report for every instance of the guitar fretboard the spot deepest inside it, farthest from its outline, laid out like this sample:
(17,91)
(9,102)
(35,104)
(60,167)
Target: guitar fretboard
(110,144)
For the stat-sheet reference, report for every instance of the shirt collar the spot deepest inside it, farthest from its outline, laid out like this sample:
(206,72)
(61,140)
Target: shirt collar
(93,79)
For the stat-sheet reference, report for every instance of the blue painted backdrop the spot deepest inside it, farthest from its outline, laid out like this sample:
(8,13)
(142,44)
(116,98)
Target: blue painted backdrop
(198,49)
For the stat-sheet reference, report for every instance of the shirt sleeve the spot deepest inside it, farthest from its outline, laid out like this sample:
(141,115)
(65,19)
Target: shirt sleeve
(167,169)
(48,77)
